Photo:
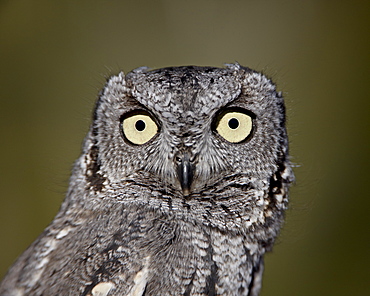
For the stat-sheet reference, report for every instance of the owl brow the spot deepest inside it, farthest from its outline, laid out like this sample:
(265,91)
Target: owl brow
(136,106)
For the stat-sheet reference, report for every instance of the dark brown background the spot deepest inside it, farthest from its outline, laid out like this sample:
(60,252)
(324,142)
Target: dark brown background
(55,55)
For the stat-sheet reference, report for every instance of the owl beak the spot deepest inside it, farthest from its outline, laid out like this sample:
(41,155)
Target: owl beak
(185,173)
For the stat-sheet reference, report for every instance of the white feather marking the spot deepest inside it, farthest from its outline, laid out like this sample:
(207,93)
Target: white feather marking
(140,280)
(279,197)
(63,232)
(50,245)
(102,289)
(35,277)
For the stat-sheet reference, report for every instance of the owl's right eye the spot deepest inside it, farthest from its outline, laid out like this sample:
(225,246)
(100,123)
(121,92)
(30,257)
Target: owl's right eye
(139,128)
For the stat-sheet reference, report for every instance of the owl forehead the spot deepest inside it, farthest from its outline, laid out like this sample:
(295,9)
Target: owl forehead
(186,93)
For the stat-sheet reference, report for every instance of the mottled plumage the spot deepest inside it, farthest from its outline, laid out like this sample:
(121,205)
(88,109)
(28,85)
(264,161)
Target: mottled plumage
(181,188)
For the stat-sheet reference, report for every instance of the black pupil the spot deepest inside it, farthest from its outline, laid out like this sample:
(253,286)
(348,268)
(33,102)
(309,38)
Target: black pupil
(233,123)
(140,125)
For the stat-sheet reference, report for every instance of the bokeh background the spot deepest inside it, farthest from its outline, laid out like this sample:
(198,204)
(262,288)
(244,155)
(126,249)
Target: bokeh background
(56,55)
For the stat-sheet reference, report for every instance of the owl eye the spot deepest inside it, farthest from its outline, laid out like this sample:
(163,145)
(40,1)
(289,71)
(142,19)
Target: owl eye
(139,128)
(234,126)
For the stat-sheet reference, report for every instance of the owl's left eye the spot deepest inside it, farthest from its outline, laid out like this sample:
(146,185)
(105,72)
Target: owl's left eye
(139,128)
(234,126)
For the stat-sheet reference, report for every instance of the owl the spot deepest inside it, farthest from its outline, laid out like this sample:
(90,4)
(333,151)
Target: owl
(180,189)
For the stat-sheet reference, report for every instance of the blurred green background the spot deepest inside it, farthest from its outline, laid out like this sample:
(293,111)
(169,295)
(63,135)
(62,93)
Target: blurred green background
(55,56)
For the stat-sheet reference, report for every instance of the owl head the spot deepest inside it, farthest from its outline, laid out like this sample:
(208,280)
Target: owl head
(189,133)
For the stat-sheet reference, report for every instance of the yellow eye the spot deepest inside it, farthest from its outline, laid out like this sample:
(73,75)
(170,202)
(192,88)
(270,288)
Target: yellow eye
(234,126)
(139,128)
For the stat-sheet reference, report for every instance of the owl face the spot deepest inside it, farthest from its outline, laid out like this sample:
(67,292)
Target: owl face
(190,128)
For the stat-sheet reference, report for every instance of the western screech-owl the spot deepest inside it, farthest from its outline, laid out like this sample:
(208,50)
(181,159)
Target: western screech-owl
(181,188)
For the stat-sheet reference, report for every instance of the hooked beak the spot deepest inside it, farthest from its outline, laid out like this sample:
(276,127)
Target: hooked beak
(185,173)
